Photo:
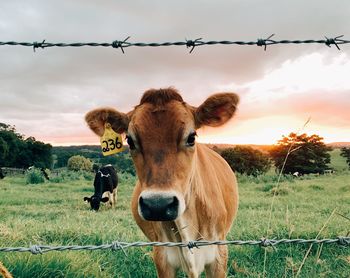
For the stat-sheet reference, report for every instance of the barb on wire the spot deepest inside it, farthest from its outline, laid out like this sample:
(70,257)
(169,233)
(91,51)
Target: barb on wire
(264,242)
(335,41)
(344,241)
(38,44)
(121,44)
(265,42)
(192,244)
(193,43)
(35,249)
(117,245)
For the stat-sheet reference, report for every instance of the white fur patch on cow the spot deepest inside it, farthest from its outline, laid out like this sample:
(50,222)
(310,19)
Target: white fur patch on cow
(201,257)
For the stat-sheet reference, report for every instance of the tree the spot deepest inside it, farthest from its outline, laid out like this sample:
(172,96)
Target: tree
(307,154)
(345,152)
(34,153)
(62,158)
(4,150)
(78,162)
(10,145)
(15,151)
(246,160)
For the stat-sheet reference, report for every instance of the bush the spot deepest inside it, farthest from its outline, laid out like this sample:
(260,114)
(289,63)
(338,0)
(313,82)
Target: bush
(280,190)
(267,187)
(246,160)
(78,162)
(34,176)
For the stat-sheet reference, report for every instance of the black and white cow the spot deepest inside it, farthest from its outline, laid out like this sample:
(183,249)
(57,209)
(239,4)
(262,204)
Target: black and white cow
(105,184)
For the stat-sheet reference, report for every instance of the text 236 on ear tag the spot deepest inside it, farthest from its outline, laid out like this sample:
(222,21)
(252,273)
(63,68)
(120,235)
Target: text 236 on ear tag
(111,141)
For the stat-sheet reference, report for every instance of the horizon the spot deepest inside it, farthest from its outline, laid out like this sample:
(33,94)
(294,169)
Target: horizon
(125,144)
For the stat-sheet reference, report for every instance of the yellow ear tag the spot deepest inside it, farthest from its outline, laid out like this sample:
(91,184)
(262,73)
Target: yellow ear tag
(111,142)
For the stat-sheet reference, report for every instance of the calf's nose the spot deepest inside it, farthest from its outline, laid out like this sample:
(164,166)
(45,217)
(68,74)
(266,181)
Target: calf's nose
(158,207)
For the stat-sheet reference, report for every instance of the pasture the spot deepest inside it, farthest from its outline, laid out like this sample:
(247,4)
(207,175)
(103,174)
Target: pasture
(54,213)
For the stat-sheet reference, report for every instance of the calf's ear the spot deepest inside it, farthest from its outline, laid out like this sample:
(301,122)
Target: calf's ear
(97,118)
(104,199)
(87,199)
(216,110)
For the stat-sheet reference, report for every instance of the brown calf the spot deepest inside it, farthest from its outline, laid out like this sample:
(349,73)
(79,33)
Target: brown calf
(185,191)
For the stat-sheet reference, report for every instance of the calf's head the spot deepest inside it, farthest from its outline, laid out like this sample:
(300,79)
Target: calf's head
(161,133)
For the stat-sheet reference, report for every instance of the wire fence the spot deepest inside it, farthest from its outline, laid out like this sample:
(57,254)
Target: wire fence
(40,249)
(122,44)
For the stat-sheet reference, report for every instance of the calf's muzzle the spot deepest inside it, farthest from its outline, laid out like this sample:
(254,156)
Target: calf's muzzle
(159,207)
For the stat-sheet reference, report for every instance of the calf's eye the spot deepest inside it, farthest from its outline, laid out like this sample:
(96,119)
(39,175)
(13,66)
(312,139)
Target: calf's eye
(130,142)
(191,139)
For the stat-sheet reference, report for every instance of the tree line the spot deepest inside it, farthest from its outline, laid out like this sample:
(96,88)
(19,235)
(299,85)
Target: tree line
(19,152)
(294,154)
(302,154)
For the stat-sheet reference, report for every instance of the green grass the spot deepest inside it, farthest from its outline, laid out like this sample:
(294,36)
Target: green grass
(338,162)
(55,214)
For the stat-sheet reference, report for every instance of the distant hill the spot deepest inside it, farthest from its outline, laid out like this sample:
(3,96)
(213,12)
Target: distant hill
(263,148)
(267,147)
(339,144)
(86,148)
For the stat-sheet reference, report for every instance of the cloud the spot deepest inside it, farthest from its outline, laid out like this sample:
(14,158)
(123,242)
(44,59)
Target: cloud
(314,85)
(315,71)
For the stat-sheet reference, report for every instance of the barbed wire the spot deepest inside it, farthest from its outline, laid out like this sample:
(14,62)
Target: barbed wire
(40,249)
(122,44)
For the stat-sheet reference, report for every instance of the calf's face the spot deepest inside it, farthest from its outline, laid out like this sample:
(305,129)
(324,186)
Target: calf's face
(162,145)
(161,134)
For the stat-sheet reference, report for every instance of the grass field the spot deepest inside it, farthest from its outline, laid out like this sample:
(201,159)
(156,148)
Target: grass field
(55,214)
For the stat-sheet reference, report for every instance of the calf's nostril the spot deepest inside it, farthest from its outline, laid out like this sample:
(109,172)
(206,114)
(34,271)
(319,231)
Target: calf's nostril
(175,202)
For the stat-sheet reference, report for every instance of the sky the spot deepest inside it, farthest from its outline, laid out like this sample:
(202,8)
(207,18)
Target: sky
(46,93)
